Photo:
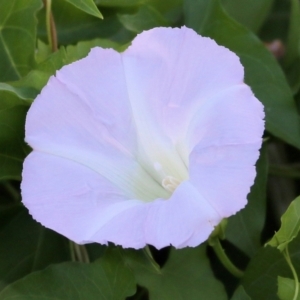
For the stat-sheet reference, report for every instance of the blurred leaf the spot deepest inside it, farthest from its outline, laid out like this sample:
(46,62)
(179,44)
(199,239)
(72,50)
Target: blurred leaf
(166,5)
(286,289)
(196,13)
(262,71)
(186,275)
(22,93)
(293,44)
(240,294)
(29,86)
(95,251)
(73,25)
(120,3)
(145,18)
(11,96)
(43,51)
(292,58)
(27,246)
(17,37)
(37,78)
(171,10)
(87,6)
(7,212)
(54,62)
(276,24)
(290,226)
(107,278)
(250,13)
(83,48)
(260,279)
(244,229)
(12,146)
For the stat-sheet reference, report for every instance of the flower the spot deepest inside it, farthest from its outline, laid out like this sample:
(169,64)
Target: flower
(155,145)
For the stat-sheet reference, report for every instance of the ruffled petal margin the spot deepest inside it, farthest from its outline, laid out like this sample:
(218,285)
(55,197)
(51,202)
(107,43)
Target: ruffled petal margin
(86,208)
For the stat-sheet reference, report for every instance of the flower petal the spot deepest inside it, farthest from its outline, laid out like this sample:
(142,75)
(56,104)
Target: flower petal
(176,220)
(76,118)
(175,70)
(68,197)
(233,116)
(227,137)
(163,222)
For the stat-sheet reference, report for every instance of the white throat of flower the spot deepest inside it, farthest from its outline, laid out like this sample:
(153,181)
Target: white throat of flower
(169,183)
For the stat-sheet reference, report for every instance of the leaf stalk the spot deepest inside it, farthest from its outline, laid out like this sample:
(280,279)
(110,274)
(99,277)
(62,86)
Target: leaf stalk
(287,257)
(224,259)
(50,25)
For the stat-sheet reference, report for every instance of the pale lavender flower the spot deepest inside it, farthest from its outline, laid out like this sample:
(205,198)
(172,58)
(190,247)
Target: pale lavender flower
(155,145)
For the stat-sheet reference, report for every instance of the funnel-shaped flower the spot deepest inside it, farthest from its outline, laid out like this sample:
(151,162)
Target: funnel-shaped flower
(155,145)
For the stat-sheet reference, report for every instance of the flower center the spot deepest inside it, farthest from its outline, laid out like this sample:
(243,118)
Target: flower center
(170,183)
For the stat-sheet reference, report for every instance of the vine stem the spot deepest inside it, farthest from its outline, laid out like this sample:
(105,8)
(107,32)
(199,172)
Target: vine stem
(79,253)
(50,25)
(151,259)
(287,257)
(218,249)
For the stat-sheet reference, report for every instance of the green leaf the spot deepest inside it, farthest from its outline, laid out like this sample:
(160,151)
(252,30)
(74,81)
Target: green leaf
(120,3)
(286,289)
(262,71)
(22,93)
(17,37)
(260,279)
(170,9)
(145,18)
(292,58)
(82,49)
(73,25)
(186,275)
(240,294)
(107,278)
(27,246)
(43,51)
(250,13)
(276,27)
(7,212)
(243,229)
(27,88)
(37,78)
(87,6)
(290,226)
(11,96)
(293,44)
(12,146)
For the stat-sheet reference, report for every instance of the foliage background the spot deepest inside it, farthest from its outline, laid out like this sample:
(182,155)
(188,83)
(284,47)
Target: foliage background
(37,263)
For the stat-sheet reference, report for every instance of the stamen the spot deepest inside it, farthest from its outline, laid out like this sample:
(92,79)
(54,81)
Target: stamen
(170,183)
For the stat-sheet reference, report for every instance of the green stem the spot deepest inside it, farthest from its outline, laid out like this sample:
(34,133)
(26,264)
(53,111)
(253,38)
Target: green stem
(50,25)
(287,257)
(151,259)
(72,251)
(79,253)
(225,260)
